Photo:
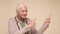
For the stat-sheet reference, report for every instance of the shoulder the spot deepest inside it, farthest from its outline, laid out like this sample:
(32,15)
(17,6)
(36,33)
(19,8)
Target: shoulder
(11,19)
(28,19)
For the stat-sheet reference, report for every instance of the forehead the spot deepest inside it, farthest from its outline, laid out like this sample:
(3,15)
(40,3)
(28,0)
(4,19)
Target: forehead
(23,8)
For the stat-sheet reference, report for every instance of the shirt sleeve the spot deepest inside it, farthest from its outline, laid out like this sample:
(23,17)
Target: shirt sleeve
(33,30)
(43,28)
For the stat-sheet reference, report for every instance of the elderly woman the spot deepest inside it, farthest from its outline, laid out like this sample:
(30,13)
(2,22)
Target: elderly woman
(20,24)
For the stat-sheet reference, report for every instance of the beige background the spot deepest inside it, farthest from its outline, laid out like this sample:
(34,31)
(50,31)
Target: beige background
(36,8)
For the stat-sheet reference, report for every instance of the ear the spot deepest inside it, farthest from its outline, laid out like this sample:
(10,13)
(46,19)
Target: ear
(17,12)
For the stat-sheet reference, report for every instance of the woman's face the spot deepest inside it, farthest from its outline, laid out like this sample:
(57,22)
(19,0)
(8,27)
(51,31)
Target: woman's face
(22,12)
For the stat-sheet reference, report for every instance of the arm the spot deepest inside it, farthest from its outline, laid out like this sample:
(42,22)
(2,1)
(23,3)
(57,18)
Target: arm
(43,28)
(45,25)
(33,30)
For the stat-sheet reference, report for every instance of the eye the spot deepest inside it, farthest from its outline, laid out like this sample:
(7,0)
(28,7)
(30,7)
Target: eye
(24,10)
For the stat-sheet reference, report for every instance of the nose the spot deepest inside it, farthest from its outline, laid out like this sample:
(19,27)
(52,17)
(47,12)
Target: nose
(25,12)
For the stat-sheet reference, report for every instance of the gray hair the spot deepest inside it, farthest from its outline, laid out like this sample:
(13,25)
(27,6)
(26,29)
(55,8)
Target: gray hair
(19,5)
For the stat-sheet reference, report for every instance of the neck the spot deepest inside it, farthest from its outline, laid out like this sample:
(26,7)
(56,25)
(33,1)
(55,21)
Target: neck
(20,19)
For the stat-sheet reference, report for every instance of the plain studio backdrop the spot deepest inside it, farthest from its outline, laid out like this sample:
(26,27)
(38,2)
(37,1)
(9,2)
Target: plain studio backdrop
(36,8)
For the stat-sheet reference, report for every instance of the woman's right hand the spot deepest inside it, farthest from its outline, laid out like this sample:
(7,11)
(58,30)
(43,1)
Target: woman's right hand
(32,23)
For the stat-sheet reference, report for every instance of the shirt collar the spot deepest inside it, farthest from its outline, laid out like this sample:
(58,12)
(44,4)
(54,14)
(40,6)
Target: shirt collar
(16,18)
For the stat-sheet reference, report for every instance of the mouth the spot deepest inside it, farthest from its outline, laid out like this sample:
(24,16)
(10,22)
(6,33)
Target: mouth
(23,16)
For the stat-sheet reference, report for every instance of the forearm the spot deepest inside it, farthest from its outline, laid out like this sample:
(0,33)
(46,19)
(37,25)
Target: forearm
(43,28)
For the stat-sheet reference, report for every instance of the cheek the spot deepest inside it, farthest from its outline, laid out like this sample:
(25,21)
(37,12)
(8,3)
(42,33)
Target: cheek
(20,13)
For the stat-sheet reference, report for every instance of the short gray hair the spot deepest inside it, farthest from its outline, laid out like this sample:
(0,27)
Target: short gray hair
(19,5)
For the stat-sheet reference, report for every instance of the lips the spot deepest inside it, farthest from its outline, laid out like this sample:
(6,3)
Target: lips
(24,15)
